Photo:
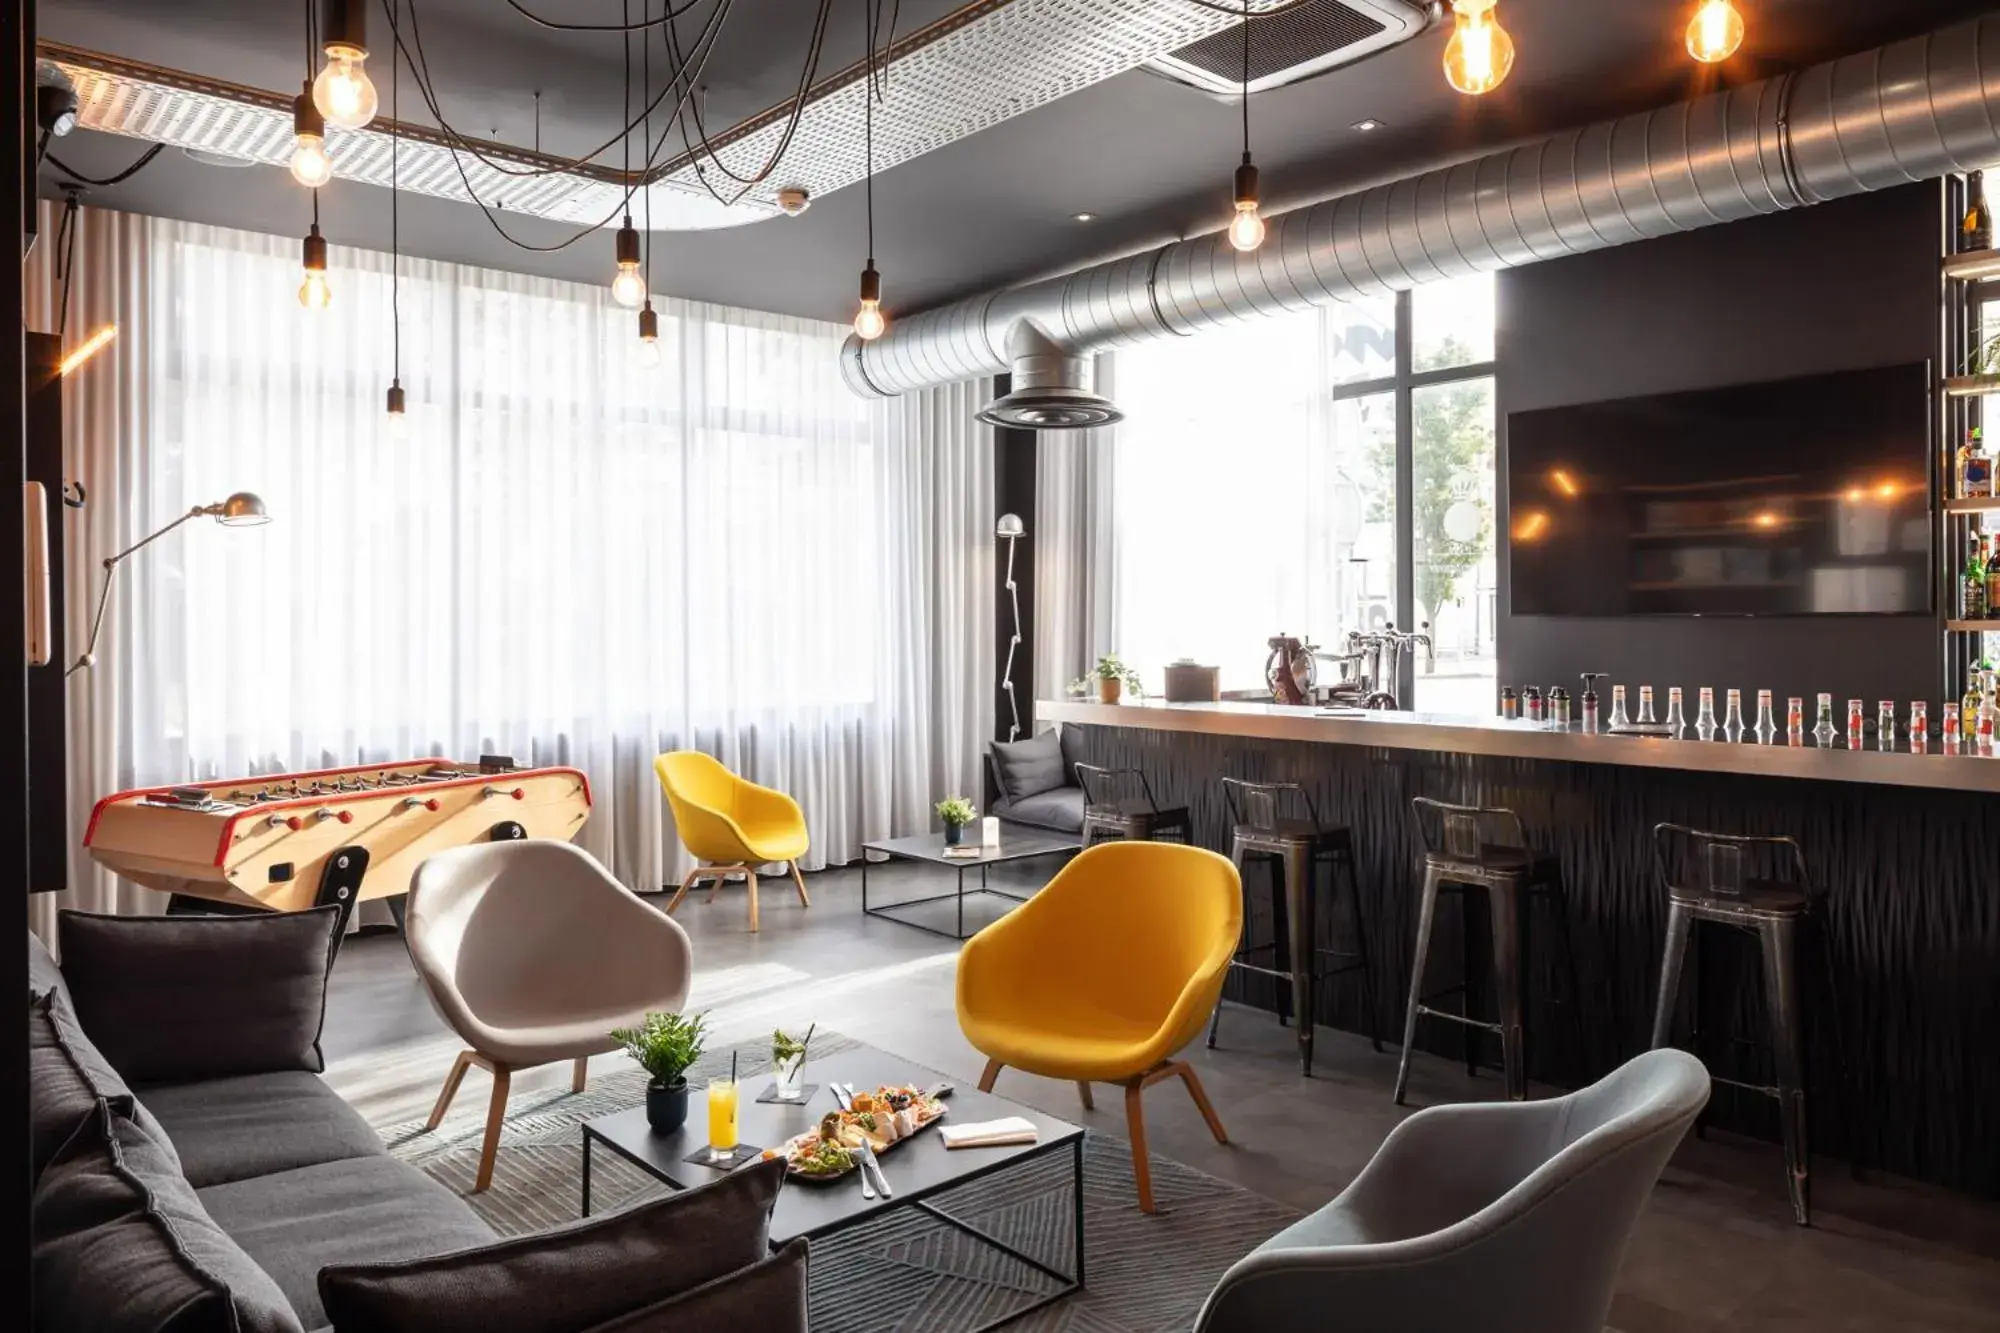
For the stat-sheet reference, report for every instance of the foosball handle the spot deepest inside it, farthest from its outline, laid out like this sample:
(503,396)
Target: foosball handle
(328,812)
(518,793)
(427,802)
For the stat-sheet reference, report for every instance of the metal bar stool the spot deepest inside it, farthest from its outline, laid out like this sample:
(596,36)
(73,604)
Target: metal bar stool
(1294,848)
(1759,885)
(1480,847)
(1112,809)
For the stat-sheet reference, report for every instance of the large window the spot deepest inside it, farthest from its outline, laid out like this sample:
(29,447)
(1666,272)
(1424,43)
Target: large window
(1313,475)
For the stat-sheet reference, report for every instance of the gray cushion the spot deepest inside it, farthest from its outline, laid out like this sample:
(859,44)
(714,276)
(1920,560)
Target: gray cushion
(121,1242)
(574,1276)
(67,1076)
(769,1297)
(365,1210)
(43,974)
(258,1125)
(187,997)
(1060,810)
(1025,768)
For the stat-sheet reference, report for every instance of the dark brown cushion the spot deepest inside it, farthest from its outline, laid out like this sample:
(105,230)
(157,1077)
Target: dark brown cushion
(1030,767)
(121,1242)
(571,1277)
(769,1297)
(173,998)
(67,1077)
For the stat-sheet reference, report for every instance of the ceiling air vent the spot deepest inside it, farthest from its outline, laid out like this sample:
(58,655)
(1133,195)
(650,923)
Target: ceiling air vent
(1301,42)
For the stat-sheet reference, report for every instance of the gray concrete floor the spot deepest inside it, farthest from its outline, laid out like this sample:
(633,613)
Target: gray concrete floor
(1716,1249)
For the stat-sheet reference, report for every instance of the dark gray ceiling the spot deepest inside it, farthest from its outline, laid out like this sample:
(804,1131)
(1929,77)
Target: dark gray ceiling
(1151,158)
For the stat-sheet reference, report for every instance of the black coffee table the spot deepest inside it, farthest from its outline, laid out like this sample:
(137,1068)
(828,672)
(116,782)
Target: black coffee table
(1016,844)
(917,1170)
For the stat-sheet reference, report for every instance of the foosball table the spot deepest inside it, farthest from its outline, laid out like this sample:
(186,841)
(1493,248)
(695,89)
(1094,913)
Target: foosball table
(338,837)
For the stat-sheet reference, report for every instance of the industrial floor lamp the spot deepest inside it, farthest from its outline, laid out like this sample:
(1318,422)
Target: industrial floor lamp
(1010,529)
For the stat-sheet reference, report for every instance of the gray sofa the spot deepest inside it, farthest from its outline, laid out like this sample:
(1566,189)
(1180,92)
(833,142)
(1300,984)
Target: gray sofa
(1036,781)
(224,1186)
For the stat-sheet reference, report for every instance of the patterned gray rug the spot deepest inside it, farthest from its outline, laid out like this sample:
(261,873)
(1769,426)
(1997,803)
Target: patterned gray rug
(910,1272)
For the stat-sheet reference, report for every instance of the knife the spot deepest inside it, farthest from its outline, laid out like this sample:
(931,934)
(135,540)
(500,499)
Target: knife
(869,1162)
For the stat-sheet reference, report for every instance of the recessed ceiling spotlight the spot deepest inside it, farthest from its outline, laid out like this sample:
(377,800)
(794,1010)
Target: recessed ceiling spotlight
(1083,217)
(1367,125)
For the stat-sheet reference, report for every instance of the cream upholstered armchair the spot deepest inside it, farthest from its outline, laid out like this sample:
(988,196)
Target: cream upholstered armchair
(533,953)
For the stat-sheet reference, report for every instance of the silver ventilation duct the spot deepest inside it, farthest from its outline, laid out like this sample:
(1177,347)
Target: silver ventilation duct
(1909,111)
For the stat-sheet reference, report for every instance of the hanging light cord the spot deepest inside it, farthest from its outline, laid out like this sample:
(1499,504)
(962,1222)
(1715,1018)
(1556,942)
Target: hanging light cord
(868,122)
(645,90)
(791,125)
(395,221)
(1246,80)
(627,26)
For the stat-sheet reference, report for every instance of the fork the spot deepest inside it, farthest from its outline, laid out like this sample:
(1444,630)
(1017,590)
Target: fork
(869,1161)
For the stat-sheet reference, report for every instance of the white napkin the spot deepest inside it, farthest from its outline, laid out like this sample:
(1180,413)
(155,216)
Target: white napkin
(991,1133)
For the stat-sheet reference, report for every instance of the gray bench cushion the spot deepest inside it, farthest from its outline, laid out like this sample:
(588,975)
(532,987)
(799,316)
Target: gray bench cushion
(67,1076)
(1060,810)
(229,1129)
(121,1242)
(362,1210)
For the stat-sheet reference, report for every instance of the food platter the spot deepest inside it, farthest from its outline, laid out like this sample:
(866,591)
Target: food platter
(885,1119)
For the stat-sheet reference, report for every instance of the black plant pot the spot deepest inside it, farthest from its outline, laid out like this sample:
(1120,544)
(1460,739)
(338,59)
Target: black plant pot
(954,834)
(667,1105)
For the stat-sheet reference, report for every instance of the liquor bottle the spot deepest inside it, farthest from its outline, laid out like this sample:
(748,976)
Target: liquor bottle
(1619,720)
(1795,718)
(1587,701)
(1732,718)
(1993,574)
(1646,718)
(1767,726)
(1510,703)
(1968,707)
(1920,726)
(1972,584)
(1704,720)
(1823,725)
(1531,703)
(1677,722)
(1853,724)
(1975,229)
(1974,466)
(1885,725)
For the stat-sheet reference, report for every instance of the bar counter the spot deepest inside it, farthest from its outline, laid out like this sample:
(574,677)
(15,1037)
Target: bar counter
(1901,1007)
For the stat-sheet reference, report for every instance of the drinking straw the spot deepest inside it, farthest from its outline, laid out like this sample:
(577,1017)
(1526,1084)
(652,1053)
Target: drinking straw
(732,1066)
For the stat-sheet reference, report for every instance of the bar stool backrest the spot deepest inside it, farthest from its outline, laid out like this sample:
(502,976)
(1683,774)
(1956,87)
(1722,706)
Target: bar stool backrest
(1261,805)
(1101,785)
(1469,833)
(1725,864)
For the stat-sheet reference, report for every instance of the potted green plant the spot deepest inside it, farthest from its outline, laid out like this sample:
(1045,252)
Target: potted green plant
(956,812)
(665,1046)
(1113,678)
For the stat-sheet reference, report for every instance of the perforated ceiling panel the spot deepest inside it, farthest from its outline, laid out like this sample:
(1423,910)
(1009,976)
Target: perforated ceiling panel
(1297,44)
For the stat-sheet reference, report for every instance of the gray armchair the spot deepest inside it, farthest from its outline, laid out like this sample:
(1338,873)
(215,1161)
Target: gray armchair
(1506,1217)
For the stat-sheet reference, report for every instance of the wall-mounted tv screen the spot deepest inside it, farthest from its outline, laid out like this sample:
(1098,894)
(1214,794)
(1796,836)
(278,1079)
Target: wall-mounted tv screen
(1794,497)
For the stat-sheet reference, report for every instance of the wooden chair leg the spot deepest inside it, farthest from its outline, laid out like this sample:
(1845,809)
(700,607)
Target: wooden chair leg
(800,880)
(720,877)
(1135,1127)
(582,1072)
(750,878)
(451,1082)
(993,1068)
(686,884)
(1200,1095)
(1083,1091)
(496,1119)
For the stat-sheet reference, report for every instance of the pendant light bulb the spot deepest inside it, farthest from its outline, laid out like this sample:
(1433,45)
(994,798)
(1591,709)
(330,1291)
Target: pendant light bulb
(1480,53)
(869,321)
(649,335)
(399,417)
(311,167)
(314,293)
(343,92)
(1246,229)
(1715,31)
(628,288)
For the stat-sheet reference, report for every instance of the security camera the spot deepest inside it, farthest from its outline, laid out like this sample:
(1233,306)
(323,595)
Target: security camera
(794,200)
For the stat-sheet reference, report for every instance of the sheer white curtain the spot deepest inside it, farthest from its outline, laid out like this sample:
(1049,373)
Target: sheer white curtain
(1076,557)
(569,557)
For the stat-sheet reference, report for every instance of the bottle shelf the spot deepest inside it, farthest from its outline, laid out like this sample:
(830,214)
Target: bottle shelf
(1973,626)
(1970,386)
(1984,504)
(1973,265)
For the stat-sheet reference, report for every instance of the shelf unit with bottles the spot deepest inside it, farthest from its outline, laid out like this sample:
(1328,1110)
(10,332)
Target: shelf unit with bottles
(1970,281)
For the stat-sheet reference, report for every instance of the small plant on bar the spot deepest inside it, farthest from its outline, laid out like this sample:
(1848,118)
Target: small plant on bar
(1110,677)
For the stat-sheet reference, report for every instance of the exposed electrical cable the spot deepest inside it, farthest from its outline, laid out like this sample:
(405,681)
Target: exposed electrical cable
(627,26)
(144,159)
(792,121)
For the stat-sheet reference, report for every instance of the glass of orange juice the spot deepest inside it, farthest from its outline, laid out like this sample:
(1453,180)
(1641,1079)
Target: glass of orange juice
(721,1119)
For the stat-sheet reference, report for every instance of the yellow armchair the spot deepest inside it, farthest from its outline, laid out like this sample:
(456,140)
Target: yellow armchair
(733,825)
(1106,974)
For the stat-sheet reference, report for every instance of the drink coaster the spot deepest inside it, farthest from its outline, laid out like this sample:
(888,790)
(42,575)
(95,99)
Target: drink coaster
(744,1154)
(770,1097)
